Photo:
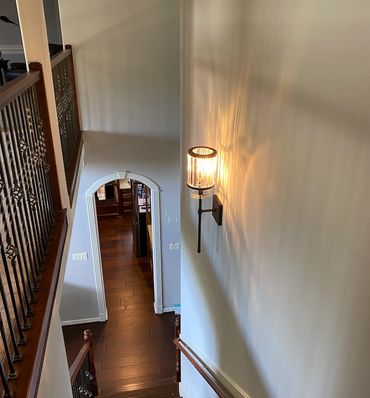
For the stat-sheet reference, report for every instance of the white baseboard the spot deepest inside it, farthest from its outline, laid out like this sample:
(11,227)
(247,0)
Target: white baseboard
(85,320)
(161,310)
(231,385)
(169,309)
(158,309)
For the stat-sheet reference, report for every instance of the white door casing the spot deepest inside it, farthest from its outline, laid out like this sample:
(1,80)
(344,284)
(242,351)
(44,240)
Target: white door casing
(95,244)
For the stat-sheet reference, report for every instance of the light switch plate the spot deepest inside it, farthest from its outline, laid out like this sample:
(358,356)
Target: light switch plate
(79,256)
(174,246)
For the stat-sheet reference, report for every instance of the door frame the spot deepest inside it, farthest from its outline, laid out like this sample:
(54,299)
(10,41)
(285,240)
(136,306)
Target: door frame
(95,242)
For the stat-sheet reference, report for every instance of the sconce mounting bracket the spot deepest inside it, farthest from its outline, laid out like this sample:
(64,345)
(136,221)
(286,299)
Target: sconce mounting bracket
(217,209)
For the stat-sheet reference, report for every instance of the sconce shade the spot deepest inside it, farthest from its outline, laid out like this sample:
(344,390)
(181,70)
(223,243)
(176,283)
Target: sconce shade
(202,167)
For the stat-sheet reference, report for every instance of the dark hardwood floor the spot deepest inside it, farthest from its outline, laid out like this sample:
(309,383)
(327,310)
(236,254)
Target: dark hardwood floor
(134,346)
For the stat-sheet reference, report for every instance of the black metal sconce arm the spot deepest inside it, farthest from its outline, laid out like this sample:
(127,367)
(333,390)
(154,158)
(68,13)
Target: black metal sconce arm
(216,213)
(4,18)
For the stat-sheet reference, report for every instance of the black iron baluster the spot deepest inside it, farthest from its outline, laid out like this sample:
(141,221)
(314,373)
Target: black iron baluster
(40,141)
(40,207)
(37,155)
(10,207)
(70,134)
(46,158)
(32,198)
(21,337)
(33,194)
(24,203)
(18,195)
(17,356)
(12,373)
(6,390)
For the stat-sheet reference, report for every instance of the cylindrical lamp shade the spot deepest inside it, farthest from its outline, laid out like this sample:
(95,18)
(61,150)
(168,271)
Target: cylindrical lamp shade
(202,167)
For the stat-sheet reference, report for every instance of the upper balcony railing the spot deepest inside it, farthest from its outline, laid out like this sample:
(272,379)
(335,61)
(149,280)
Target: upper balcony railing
(68,116)
(32,232)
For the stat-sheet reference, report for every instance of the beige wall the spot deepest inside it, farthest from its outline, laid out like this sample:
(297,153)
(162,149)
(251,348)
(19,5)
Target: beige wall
(279,298)
(127,64)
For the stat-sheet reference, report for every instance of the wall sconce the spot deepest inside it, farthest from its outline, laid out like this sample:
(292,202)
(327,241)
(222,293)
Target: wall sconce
(202,168)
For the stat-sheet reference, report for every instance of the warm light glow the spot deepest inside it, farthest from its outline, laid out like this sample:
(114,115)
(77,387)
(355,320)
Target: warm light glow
(202,167)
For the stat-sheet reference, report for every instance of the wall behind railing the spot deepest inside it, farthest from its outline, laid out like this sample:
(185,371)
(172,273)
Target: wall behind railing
(127,62)
(10,36)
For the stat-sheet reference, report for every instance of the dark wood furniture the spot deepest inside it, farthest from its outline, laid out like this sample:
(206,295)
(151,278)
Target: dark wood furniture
(110,206)
(126,199)
(141,209)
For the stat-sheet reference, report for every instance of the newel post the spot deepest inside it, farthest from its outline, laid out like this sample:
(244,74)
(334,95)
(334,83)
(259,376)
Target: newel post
(178,354)
(89,340)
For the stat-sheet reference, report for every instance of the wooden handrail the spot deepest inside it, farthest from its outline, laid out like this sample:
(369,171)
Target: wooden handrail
(57,58)
(45,304)
(177,378)
(87,351)
(202,369)
(77,363)
(17,86)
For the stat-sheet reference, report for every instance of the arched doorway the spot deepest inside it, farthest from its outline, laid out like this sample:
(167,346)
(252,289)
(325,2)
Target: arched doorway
(95,244)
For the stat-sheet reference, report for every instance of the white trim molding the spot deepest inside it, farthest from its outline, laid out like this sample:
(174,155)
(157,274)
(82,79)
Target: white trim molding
(81,321)
(156,231)
(11,49)
(169,309)
(231,385)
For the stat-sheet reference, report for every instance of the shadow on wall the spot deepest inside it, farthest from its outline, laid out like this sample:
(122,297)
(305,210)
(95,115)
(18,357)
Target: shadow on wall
(127,61)
(219,111)
(280,292)
(79,300)
(230,348)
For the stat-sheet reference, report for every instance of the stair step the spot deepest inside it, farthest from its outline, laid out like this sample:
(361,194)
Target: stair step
(164,388)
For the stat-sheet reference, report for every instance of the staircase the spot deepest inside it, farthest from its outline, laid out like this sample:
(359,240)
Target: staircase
(164,388)
(84,383)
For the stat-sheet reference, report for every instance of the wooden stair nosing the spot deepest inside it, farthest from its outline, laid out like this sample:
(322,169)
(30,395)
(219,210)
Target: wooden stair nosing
(166,385)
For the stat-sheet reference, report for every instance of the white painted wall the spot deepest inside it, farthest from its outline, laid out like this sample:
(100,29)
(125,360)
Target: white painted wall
(52,17)
(105,154)
(55,380)
(127,64)
(279,299)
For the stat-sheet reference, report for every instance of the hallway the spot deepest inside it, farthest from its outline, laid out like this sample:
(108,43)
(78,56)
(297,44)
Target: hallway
(134,347)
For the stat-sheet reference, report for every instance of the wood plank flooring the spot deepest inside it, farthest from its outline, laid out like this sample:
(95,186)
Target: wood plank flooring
(134,346)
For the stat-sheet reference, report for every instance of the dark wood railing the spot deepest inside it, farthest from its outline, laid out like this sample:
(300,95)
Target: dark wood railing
(68,116)
(82,371)
(202,369)
(177,377)
(32,233)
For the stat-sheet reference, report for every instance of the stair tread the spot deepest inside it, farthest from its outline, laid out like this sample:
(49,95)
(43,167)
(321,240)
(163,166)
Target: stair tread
(159,389)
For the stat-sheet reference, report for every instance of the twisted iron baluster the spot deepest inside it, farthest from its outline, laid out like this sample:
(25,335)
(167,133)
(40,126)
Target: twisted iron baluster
(17,194)
(28,225)
(13,240)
